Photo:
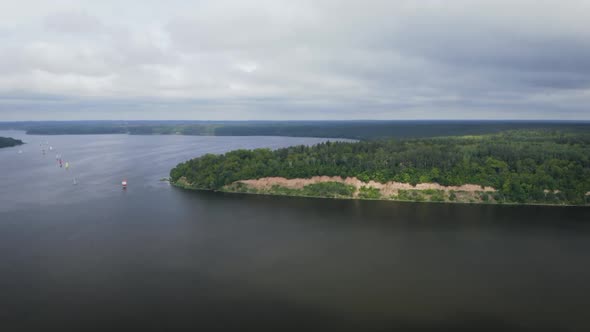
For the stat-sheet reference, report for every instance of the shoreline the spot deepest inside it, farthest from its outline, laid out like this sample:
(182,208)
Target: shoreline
(190,188)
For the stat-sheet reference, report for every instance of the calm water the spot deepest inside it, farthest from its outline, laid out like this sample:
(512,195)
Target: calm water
(94,257)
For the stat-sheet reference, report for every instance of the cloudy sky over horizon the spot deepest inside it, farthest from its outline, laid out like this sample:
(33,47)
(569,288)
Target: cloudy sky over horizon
(307,59)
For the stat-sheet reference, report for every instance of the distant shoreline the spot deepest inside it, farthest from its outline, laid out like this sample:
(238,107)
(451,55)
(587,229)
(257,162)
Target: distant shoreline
(351,129)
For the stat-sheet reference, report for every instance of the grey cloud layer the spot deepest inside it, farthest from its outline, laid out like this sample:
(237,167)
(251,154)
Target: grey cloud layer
(295,59)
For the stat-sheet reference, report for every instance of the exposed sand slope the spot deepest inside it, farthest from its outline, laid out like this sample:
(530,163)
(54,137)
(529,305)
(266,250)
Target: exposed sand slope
(386,189)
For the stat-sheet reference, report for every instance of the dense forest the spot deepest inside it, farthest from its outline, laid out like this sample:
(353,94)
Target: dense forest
(8,141)
(525,166)
(362,130)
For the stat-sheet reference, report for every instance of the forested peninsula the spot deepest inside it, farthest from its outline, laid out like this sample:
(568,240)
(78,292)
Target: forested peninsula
(539,166)
(9,141)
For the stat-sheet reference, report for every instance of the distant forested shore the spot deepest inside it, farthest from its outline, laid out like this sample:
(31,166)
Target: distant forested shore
(530,166)
(9,141)
(361,130)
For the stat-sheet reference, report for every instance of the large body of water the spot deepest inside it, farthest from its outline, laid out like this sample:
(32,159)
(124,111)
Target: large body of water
(94,257)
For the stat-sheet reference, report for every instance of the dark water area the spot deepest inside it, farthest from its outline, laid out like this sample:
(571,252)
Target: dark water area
(94,257)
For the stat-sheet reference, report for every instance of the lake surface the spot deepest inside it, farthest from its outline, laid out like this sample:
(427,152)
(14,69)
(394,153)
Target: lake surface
(92,256)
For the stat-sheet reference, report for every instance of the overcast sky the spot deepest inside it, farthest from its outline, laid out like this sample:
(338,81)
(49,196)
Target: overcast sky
(239,60)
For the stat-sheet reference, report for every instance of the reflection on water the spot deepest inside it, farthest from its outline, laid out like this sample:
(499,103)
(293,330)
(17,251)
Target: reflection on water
(156,257)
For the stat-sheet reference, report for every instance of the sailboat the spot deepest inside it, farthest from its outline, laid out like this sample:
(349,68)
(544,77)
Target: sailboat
(67,165)
(75,181)
(124,184)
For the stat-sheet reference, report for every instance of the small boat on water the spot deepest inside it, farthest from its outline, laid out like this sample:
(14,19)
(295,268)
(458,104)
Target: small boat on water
(67,165)
(124,184)
(75,181)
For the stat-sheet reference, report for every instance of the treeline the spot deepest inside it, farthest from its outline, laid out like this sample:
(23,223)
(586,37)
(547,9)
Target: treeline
(9,141)
(371,130)
(534,166)
(362,130)
(77,130)
(177,129)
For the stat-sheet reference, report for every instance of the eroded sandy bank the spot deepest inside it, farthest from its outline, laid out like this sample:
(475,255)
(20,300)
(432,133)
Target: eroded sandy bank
(386,189)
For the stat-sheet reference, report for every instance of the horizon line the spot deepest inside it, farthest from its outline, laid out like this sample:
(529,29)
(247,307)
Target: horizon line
(310,120)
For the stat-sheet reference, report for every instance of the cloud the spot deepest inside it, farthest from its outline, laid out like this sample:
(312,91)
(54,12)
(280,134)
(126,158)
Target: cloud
(73,22)
(322,59)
